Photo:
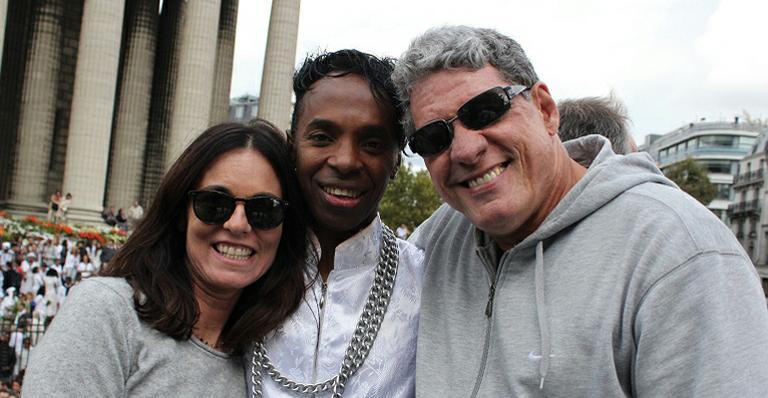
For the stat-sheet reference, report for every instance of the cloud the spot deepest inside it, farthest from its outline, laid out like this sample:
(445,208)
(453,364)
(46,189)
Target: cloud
(671,61)
(734,45)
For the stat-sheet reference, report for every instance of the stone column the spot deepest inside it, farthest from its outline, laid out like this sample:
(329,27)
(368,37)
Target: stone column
(224,56)
(193,89)
(132,113)
(163,84)
(17,28)
(276,85)
(38,110)
(3,13)
(93,103)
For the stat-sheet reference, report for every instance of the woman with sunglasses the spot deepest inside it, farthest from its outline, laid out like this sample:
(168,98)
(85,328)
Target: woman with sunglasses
(216,263)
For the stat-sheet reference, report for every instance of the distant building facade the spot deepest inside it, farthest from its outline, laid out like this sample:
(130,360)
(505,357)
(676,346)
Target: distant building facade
(748,220)
(718,146)
(243,108)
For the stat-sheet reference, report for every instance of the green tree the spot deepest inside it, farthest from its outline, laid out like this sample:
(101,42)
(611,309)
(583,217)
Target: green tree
(409,199)
(692,178)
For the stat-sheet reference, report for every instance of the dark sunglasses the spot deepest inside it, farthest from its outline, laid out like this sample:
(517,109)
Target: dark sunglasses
(480,111)
(213,207)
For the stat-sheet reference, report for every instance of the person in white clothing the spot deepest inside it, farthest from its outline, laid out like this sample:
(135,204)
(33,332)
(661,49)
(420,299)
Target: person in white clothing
(85,268)
(135,214)
(52,284)
(17,343)
(71,263)
(94,253)
(346,142)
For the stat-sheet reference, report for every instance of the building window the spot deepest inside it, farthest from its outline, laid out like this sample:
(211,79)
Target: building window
(718,141)
(723,191)
(746,143)
(239,112)
(718,166)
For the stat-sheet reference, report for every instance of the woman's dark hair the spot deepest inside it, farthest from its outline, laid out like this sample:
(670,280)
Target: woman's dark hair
(376,71)
(153,259)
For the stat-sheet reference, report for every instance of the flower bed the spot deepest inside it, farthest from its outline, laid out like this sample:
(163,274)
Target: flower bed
(31,226)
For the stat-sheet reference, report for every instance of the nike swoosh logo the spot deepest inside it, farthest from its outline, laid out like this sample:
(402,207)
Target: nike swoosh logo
(533,357)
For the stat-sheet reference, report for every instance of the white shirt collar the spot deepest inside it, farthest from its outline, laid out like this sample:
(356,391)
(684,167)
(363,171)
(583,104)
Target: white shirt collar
(360,250)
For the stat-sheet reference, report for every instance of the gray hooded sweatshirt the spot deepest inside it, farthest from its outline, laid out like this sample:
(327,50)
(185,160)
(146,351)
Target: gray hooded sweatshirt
(628,288)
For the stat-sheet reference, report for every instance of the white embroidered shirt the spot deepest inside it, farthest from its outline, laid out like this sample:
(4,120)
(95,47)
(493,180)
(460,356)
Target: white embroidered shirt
(310,345)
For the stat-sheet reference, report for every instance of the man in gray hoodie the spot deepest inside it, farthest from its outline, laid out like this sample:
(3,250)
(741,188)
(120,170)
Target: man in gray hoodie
(562,270)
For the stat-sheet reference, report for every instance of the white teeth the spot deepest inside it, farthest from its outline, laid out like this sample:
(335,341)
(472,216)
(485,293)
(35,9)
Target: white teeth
(234,252)
(341,192)
(487,177)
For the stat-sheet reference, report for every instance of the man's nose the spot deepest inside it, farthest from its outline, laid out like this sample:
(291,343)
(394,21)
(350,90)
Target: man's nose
(346,158)
(468,145)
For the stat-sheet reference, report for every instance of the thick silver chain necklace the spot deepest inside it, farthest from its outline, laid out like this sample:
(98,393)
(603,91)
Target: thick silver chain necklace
(362,338)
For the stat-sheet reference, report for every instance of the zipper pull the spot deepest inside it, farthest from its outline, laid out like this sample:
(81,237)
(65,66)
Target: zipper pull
(323,289)
(489,306)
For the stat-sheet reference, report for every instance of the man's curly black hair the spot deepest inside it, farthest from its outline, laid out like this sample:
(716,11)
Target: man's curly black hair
(376,71)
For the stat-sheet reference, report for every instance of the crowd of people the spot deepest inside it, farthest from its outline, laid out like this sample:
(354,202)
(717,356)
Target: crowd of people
(122,219)
(37,274)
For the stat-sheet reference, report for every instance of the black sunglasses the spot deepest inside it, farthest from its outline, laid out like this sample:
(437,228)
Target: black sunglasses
(263,211)
(480,111)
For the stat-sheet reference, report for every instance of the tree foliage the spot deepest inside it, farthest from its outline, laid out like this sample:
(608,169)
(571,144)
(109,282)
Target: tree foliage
(409,199)
(692,178)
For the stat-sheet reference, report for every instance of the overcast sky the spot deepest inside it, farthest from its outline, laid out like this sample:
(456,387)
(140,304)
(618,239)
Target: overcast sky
(671,61)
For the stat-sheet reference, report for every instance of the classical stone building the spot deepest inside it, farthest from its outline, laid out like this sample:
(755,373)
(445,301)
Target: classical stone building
(98,98)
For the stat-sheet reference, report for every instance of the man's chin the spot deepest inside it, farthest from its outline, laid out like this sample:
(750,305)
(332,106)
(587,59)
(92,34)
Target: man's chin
(494,223)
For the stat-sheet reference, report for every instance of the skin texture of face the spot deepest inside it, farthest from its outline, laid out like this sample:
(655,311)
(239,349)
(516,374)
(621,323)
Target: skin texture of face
(231,256)
(517,166)
(346,151)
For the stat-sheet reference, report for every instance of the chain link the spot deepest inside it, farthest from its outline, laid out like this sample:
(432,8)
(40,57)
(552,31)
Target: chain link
(362,338)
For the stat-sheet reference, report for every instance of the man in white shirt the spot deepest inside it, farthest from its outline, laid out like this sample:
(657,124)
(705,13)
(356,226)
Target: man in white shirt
(346,142)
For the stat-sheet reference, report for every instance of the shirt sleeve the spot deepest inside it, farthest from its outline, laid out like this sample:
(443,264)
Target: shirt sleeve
(86,351)
(702,331)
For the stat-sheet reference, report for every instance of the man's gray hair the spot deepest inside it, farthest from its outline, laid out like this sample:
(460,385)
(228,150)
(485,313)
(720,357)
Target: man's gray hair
(459,47)
(606,116)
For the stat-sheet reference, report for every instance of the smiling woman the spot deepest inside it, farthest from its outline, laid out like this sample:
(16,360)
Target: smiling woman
(216,263)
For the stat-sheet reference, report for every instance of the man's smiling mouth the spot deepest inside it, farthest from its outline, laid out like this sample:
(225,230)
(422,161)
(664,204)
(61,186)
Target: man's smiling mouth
(341,192)
(487,177)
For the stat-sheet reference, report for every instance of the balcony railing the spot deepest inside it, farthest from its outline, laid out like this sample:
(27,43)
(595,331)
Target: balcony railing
(744,208)
(752,177)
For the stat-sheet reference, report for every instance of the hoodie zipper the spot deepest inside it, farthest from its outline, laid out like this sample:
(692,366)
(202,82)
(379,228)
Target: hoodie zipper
(321,315)
(487,340)
(489,306)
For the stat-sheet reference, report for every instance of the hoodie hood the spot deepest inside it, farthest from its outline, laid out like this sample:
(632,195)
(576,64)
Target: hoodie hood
(608,176)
